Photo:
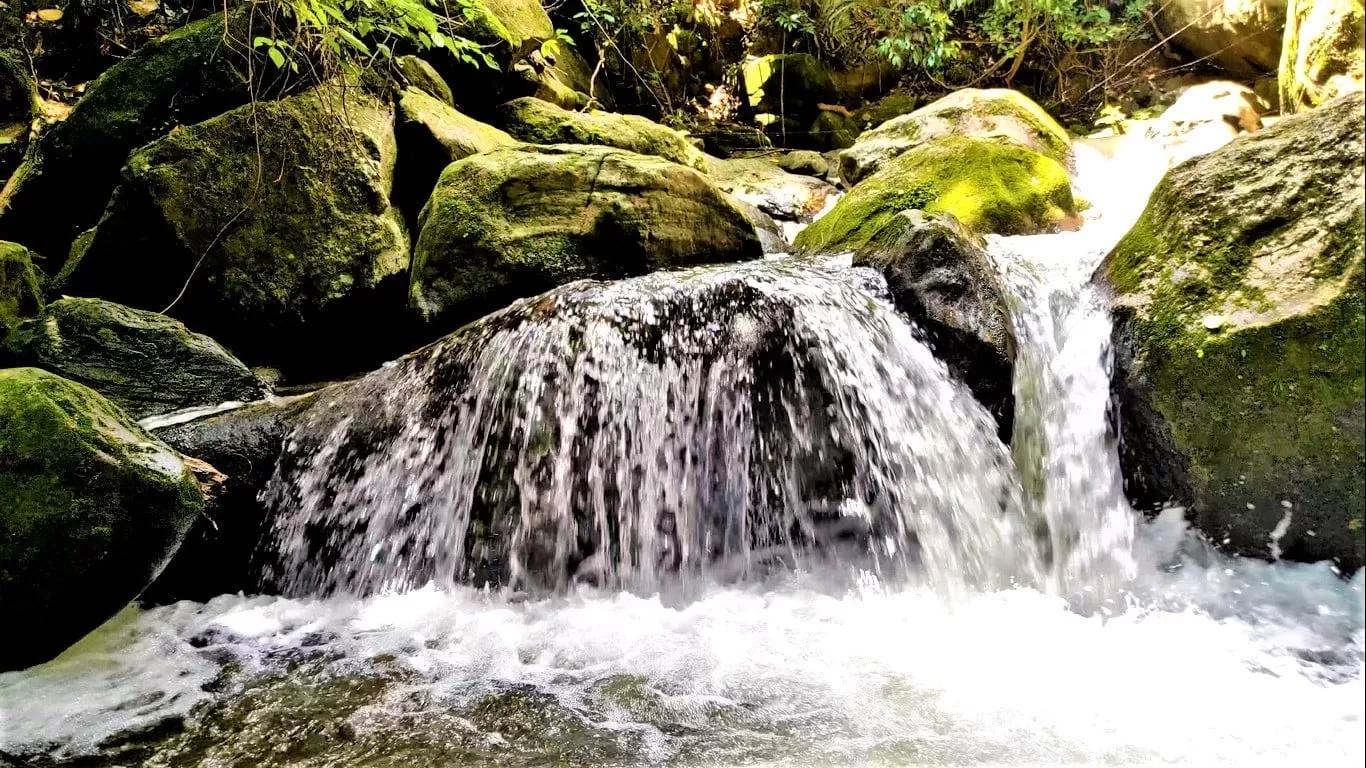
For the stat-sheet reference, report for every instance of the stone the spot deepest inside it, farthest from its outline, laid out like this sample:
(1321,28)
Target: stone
(971,112)
(515,222)
(1322,56)
(146,363)
(18,109)
(418,74)
(20,292)
(792,85)
(761,183)
(91,507)
(1266,233)
(268,227)
(540,122)
(804,162)
(990,186)
(1242,37)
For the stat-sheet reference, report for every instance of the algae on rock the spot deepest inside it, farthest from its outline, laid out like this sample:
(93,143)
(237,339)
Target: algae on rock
(516,222)
(540,122)
(1239,339)
(991,186)
(91,507)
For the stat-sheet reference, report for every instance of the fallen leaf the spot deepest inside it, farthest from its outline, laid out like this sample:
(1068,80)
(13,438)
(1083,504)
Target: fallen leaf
(50,14)
(144,7)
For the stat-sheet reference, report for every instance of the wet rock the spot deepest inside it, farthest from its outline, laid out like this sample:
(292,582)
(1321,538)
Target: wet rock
(540,122)
(1255,425)
(784,196)
(90,508)
(942,277)
(1322,55)
(515,222)
(145,362)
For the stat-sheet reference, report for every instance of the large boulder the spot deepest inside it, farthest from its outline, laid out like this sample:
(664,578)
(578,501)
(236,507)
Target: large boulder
(988,185)
(1322,56)
(187,76)
(1242,37)
(990,113)
(20,295)
(90,509)
(540,122)
(784,196)
(792,85)
(942,277)
(268,227)
(146,363)
(1239,339)
(515,222)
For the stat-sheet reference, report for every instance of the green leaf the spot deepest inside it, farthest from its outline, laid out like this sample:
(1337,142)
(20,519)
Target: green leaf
(276,58)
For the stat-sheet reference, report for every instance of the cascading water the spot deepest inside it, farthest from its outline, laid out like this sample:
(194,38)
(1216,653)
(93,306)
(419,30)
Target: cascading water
(777,439)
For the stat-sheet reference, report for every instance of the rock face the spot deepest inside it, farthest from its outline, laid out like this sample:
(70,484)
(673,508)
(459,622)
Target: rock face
(991,113)
(1323,52)
(540,122)
(146,363)
(187,76)
(1239,339)
(20,295)
(1242,37)
(267,227)
(793,85)
(942,277)
(513,223)
(424,78)
(988,185)
(432,135)
(90,509)
(778,193)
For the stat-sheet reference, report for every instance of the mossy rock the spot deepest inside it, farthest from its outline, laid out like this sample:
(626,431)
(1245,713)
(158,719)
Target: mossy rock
(977,113)
(792,85)
(1239,339)
(760,182)
(833,130)
(540,122)
(1322,55)
(418,74)
(91,507)
(184,77)
(268,227)
(886,108)
(1241,37)
(515,222)
(18,108)
(991,186)
(20,291)
(146,363)
(804,162)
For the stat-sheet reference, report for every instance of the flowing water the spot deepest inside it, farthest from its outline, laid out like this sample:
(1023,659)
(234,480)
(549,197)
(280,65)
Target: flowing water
(736,516)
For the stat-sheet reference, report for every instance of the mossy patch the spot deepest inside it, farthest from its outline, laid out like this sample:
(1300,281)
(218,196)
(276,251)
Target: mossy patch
(20,294)
(540,122)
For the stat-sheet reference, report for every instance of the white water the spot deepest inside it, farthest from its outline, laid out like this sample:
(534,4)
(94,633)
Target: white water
(1193,659)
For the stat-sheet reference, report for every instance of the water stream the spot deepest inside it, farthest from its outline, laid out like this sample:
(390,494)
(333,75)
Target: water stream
(737,516)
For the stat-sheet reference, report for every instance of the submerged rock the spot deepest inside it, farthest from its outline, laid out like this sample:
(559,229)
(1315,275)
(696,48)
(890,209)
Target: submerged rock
(993,113)
(268,227)
(1323,52)
(90,509)
(988,185)
(20,294)
(1255,421)
(145,362)
(942,277)
(540,122)
(511,223)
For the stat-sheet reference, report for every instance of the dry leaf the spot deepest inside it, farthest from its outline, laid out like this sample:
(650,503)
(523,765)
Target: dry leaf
(50,14)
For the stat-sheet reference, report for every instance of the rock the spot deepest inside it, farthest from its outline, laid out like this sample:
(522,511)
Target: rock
(990,113)
(1322,54)
(888,107)
(942,277)
(727,139)
(184,77)
(789,85)
(20,294)
(761,183)
(423,77)
(988,185)
(540,122)
(432,135)
(1204,118)
(268,227)
(833,130)
(218,555)
(1242,37)
(18,108)
(90,509)
(771,238)
(146,363)
(803,162)
(514,222)
(1267,234)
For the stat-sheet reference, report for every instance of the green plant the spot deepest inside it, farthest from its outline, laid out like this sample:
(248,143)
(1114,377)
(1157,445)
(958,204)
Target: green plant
(919,34)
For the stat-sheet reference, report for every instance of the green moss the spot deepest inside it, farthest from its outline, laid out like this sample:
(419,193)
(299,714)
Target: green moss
(20,293)
(459,135)
(989,186)
(539,122)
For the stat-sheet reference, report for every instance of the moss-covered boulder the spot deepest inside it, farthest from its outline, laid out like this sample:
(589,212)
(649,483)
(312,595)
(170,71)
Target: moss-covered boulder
(942,277)
(1242,37)
(977,113)
(516,222)
(792,85)
(431,135)
(1239,339)
(1322,55)
(540,122)
(991,186)
(146,363)
(268,227)
(804,162)
(20,292)
(784,196)
(833,129)
(417,74)
(90,509)
(187,76)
